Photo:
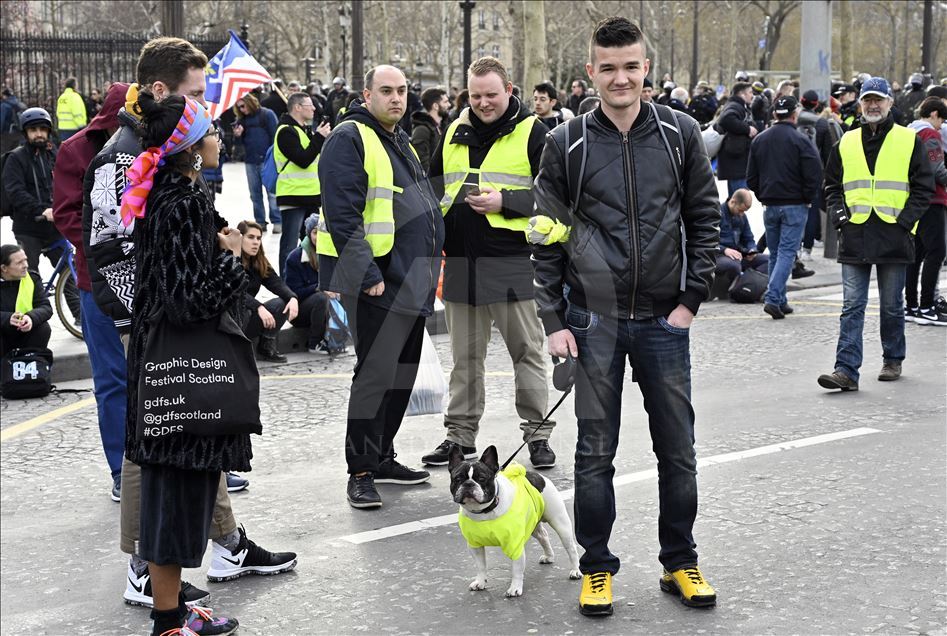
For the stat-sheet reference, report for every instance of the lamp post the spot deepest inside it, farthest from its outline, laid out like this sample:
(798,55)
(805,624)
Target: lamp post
(309,61)
(467,6)
(244,34)
(419,66)
(344,24)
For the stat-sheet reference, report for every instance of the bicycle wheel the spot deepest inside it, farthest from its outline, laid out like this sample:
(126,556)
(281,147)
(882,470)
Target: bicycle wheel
(66,287)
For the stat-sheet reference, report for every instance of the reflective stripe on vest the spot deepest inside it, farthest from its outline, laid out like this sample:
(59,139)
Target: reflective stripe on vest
(378,215)
(24,295)
(506,167)
(886,191)
(293,179)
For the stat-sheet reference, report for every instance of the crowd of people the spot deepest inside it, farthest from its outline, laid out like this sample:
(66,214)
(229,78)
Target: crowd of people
(589,224)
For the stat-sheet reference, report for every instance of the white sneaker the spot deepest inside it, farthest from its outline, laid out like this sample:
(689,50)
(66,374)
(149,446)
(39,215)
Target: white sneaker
(138,590)
(805,255)
(247,558)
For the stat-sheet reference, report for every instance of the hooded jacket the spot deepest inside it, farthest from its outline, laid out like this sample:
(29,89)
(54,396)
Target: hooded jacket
(627,256)
(876,241)
(486,264)
(410,270)
(75,155)
(935,154)
(735,121)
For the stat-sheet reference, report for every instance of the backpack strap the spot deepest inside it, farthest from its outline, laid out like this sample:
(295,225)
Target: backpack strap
(576,155)
(670,128)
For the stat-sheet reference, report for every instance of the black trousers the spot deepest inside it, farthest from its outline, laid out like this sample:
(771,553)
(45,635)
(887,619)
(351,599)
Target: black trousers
(11,338)
(313,313)
(387,350)
(931,248)
(253,325)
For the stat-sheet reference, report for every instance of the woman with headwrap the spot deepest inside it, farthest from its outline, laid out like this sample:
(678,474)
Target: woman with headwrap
(191,272)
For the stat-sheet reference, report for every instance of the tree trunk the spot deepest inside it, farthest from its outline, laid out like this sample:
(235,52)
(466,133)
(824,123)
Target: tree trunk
(534,47)
(906,29)
(731,58)
(445,56)
(845,39)
(385,35)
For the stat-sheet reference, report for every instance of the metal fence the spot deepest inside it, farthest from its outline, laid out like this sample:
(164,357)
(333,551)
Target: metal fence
(35,66)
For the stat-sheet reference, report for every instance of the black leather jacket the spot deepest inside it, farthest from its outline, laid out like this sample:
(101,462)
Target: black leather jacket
(626,256)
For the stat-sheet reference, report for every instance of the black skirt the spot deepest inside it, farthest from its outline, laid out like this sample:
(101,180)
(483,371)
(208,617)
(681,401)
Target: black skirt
(176,511)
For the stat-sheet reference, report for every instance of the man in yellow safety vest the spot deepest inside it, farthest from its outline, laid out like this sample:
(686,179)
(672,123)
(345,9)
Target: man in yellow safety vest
(379,245)
(878,183)
(71,114)
(484,170)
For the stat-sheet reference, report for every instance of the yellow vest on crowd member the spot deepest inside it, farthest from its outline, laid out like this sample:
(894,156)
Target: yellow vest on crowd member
(886,191)
(378,215)
(293,179)
(24,295)
(506,167)
(70,111)
(848,121)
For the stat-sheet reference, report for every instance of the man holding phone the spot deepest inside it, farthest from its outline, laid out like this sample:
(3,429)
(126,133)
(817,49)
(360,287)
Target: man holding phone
(483,171)
(737,251)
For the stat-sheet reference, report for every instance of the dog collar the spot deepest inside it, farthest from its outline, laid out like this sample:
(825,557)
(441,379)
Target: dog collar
(496,502)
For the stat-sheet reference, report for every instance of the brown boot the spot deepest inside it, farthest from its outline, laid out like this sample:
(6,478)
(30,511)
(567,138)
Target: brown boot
(890,371)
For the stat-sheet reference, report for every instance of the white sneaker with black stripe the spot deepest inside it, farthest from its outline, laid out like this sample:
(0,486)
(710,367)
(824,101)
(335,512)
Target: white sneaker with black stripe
(138,591)
(930,316)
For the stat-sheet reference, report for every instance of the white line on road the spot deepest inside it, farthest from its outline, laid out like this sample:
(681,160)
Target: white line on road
(630,478)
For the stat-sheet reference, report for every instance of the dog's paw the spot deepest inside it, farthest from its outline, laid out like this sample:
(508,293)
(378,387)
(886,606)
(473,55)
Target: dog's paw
(514,591)
(546,559)
(575,575)
(478,584)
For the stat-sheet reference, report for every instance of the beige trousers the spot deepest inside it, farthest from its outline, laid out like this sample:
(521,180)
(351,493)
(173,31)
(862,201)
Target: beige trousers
(470,328)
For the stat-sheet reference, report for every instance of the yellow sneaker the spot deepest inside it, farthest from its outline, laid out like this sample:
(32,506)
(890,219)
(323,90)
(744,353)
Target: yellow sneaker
(596,596)
(689,583)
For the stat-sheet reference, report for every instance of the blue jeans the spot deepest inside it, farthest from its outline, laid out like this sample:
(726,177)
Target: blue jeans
(735,184)
(855,280)
(255,183)
(107,358)
(784,226)
(292,223)
(660,360)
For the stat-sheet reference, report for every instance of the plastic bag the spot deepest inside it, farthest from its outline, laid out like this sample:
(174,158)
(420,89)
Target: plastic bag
(430,387)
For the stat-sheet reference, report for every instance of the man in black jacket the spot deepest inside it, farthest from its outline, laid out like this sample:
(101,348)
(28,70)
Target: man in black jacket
(426,129)
(28,185)
(379,243)
(816,128)
(876,223)
(634,286)
(785,173)
(737,122)
(485,168)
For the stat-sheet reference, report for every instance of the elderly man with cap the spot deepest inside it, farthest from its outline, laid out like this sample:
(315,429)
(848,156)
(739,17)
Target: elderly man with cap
(785,173)
(878,183)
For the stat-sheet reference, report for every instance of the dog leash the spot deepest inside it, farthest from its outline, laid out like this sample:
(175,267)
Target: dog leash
(563,379)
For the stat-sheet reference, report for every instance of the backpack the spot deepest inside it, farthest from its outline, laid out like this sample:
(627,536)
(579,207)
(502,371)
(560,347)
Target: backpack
(26,373)
(337,328)
(577,155)
(748,287)
(269,172)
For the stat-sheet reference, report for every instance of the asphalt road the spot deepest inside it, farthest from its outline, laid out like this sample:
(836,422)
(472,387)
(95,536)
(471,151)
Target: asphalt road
(819,512)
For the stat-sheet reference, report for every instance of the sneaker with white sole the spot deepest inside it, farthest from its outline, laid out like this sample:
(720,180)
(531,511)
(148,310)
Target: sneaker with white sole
(138,591)
(236,483)
(910,313)
(930,316)
(247,558)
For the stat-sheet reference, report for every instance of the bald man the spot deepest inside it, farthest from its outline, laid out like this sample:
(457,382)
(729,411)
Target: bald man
(372,183)
(737,251)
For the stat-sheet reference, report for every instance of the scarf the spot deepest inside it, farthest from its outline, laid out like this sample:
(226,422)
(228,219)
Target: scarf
(140,176)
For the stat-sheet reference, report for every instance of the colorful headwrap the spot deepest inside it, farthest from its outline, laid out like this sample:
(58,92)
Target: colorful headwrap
(140,176)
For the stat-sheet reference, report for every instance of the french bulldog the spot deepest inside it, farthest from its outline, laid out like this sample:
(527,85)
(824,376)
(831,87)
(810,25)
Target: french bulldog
(504,509)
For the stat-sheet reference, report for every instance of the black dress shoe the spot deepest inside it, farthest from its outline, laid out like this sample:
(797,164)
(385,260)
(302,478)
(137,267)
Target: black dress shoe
(774,311)
(361,492)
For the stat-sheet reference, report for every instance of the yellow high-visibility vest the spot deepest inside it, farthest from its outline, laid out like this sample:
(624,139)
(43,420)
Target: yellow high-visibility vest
(886,191)
(293,179)
(24,295)
(506,167)
(70,111)
(378,215)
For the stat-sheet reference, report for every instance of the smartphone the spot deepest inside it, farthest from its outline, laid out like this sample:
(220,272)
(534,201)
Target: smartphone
(324,120)
(473,189)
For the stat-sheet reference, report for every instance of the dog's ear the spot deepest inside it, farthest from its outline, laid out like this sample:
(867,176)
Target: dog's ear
(490,460)
(455,458)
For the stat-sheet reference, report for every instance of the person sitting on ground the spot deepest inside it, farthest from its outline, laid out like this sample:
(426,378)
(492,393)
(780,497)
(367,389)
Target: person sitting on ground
(737,251)
(264,319)
(302,277)
(24,307)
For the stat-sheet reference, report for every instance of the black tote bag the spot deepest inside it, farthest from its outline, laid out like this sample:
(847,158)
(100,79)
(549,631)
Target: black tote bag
(200,379)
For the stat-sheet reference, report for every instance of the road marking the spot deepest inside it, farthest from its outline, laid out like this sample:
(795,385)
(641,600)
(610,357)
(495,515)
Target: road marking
(763,316)
(622,480)
(24,427)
